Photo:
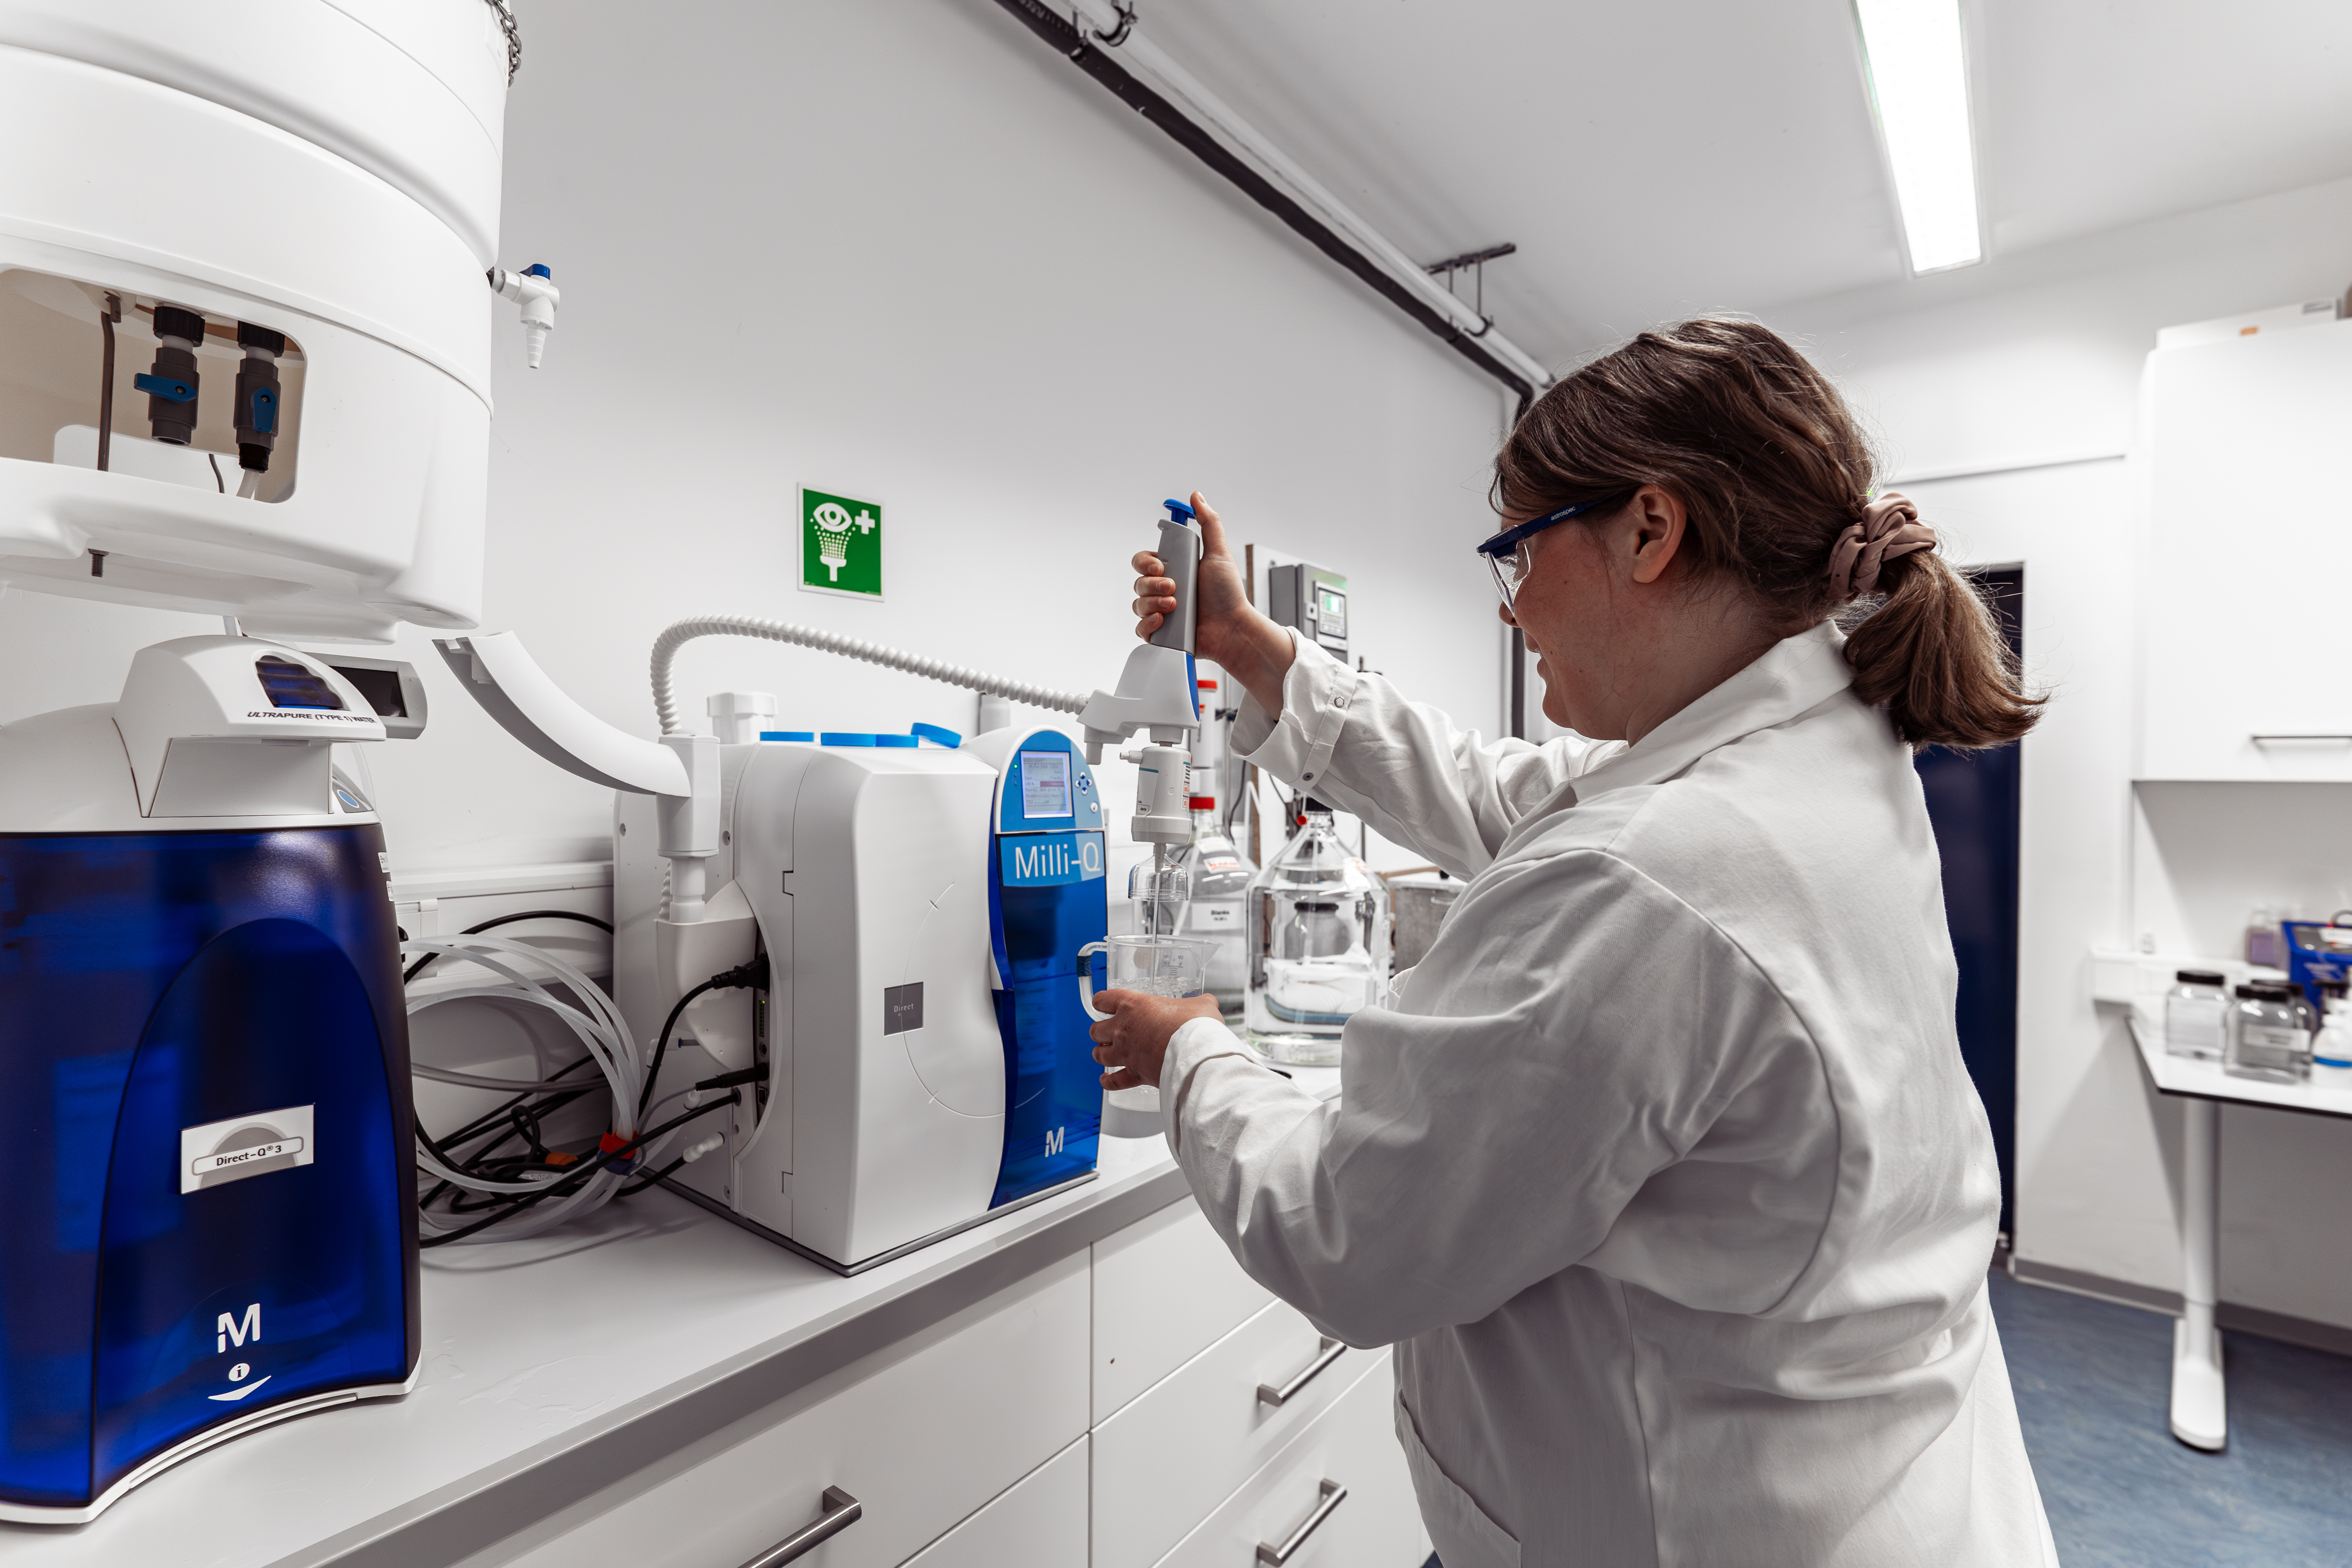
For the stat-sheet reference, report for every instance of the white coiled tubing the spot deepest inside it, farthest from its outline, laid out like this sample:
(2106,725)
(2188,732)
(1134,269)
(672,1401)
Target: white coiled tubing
(678,635)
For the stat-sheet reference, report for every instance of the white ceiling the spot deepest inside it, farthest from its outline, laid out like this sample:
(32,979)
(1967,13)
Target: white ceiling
(1653,158)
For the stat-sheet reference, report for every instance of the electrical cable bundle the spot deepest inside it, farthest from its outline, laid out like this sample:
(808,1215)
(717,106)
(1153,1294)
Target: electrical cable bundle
(494,1178)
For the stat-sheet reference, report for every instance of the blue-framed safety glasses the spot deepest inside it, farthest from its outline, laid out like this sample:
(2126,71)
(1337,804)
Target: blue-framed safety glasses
(1506,552)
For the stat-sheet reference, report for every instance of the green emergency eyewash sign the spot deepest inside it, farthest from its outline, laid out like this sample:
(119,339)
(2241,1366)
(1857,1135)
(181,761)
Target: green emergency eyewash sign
(841,544)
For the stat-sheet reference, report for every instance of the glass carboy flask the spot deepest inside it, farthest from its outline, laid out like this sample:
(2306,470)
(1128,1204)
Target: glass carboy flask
(1317,944)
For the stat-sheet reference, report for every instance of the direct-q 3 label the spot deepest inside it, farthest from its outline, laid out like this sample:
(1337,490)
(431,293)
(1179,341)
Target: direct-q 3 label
(223,1151)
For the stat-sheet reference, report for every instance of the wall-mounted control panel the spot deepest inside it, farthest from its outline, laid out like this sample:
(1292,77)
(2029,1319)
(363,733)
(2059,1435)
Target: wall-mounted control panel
(1312,600)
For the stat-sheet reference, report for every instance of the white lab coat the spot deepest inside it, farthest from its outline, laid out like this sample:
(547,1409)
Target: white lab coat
(1662,1171)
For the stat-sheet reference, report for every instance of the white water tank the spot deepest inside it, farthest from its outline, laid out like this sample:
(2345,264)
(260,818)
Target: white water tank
(324,169)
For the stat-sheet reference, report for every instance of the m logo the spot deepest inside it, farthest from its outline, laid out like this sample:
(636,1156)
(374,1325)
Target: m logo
(233,1333)
(1053,1146)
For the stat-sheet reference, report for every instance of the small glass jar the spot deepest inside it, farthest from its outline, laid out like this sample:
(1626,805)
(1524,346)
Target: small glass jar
(2195,1013)
(2268,1040)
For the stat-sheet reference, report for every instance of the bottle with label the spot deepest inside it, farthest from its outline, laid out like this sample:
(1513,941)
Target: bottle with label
(2268,1040)
(1318,942)
(2194,1014)
(1220,874)
(2265,943)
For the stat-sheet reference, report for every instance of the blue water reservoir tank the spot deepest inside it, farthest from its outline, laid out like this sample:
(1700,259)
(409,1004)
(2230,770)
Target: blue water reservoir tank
(202,1028)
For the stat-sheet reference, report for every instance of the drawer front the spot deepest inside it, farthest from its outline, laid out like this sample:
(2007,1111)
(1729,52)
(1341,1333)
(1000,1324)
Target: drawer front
(1165,1290)
(921,1444)
(1353,1445)
(1040,1523)
(1168,1458)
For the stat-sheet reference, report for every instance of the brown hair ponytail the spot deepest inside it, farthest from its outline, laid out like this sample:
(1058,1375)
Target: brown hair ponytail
(1932,656)
(1771,471)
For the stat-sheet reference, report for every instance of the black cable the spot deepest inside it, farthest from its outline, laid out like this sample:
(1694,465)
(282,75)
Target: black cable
(488,1120)
(477,1163)
(573,1184)
(661,1046)
(650,1179)
(526,1123)
(417,968)
(754,975)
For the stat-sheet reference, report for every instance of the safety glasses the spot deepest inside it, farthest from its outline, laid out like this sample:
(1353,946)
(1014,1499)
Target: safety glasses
(1506,553)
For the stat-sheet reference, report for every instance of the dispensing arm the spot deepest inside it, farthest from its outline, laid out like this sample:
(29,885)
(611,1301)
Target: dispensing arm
(1156,694)
(681,771)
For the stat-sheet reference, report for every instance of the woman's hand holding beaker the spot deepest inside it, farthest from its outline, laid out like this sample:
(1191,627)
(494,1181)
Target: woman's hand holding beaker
(1132,1041)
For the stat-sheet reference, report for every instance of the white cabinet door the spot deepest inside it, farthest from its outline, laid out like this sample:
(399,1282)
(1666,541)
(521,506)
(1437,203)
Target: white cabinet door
(1040,1523)
(2248,608)
(921,1444)
(1168,1458)
(1165,1290)
(1346,1467)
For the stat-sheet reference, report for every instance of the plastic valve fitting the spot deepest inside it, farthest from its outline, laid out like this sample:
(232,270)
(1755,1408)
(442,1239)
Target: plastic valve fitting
(257,397)
(171,384)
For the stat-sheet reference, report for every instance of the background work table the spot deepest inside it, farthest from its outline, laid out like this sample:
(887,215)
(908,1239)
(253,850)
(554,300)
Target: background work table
(1075,1382)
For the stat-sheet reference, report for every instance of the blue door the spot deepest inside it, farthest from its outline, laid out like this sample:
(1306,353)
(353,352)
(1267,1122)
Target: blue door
(1972,798)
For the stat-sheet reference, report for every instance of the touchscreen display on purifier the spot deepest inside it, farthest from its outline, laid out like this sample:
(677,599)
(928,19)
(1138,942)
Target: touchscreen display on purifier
(1045,784)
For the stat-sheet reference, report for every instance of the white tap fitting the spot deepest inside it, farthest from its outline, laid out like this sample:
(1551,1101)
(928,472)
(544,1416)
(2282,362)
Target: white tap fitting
(698,1149)
(534,289)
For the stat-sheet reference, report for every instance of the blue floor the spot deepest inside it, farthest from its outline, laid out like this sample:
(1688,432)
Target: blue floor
(2093,1385)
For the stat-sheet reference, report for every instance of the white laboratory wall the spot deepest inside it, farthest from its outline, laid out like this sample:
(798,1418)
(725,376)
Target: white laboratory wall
(2016,366)
(902,250)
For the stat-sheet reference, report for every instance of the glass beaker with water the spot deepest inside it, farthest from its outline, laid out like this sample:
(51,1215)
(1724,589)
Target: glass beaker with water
(1159,966)
(1317,944)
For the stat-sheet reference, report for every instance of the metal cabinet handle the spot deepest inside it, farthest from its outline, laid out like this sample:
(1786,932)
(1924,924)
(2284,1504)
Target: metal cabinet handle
(1334,1494)
(841,1511)
(2267,739)
(1331,1351)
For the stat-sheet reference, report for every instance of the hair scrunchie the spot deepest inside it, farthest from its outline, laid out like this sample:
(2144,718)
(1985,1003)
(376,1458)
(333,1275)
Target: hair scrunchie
(1890,527)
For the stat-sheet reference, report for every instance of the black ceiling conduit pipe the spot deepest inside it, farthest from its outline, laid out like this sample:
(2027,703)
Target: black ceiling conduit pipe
(1066,38)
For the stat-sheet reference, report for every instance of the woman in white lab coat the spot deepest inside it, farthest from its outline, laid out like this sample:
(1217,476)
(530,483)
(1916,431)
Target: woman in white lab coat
(1661,1170)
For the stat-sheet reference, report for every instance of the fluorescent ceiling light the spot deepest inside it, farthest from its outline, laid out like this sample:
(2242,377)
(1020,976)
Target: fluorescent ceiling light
(1918,78)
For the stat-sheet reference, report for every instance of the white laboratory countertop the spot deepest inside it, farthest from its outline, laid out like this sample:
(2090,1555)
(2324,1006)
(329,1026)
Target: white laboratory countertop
(2206,1080)
(555,1365)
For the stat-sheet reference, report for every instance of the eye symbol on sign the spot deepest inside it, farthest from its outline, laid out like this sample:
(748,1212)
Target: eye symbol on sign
(833,525)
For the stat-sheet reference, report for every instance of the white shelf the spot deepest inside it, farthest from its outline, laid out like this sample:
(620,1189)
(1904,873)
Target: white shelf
(2206,1080)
